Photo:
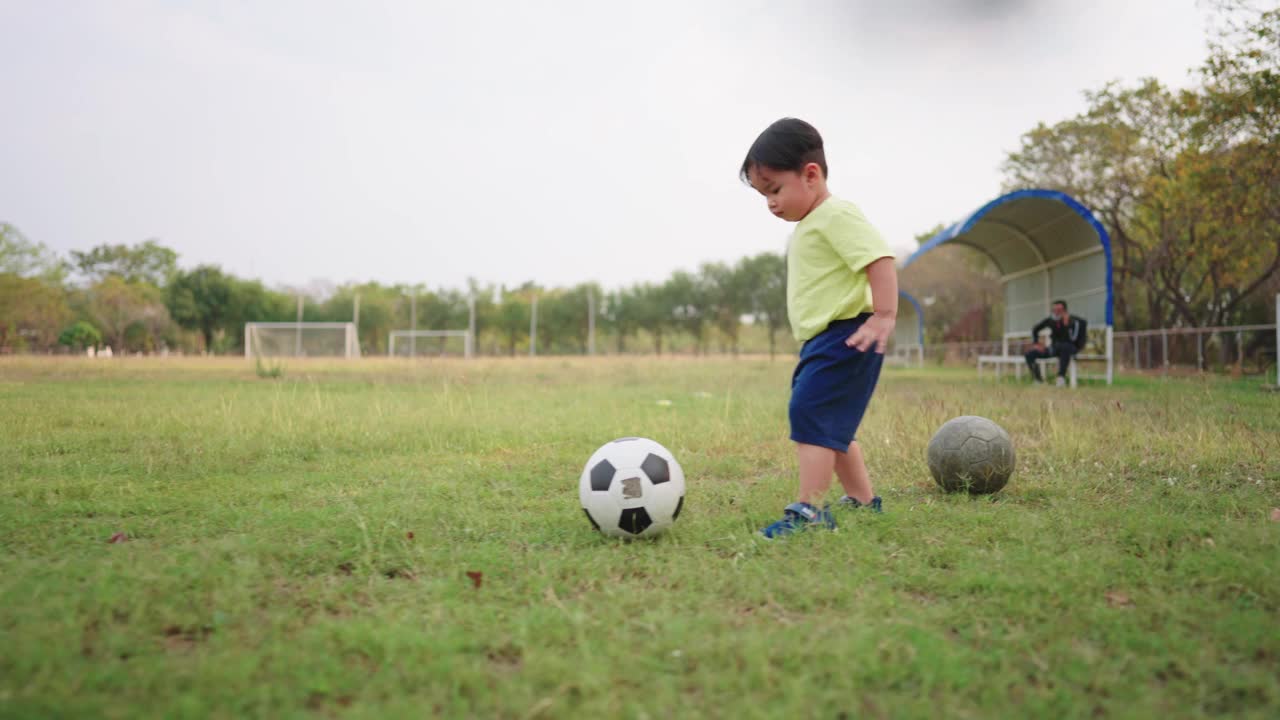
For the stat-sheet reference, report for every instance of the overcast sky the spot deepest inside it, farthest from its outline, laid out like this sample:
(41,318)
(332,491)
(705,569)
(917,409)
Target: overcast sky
(559,142)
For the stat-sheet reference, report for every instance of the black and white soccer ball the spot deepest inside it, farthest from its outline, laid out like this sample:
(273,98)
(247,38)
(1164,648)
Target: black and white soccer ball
(632,487)
(971,453)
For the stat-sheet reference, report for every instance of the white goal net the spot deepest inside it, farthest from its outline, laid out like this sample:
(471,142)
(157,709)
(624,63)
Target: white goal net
(430,343)
(305,339)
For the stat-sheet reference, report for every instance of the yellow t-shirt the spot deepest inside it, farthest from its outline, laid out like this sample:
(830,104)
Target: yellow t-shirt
(826,266)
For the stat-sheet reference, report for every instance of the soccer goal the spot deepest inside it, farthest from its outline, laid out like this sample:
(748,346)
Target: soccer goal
(430,343)
(300,339)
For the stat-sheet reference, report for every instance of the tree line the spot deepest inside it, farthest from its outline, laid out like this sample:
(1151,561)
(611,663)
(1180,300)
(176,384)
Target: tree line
(136,298)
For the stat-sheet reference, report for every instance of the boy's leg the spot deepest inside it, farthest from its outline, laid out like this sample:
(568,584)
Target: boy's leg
(852,471)
(817,464)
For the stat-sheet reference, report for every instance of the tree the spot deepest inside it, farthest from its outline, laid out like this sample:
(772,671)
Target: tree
(80,335)
(435,310)
(1106,157)
(728,298)
(251,301)
(564,315)
(652,310)
(217,305)
(1217,243)
(1238,117)
(481,297)
(766,278)
(25,258)
(116,304)
(31,312)
(1242,76)
(443,310)
(379,305)
(1187,183)
(201,299)
(621,313)
(961,288)
(512,316)
(148,262)
(688,298)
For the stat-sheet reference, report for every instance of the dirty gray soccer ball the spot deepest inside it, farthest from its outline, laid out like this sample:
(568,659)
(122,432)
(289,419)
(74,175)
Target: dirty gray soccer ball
(971,453)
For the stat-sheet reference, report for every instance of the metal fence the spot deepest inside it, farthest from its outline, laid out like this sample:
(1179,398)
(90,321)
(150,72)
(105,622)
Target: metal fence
(1245,349)
(1239,349)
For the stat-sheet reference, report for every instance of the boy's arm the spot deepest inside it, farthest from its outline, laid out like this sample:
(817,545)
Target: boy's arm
(882,275)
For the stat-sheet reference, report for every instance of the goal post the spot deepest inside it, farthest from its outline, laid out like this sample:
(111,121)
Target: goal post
(404,343)
(301,339)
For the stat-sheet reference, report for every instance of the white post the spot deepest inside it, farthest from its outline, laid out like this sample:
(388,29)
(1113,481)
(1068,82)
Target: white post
(246,339)
(591,322)
(471,324)
(1048,291)
(297,334)
(413,322)
(355,325)
(1164,343)
(1111,361)
(533,328)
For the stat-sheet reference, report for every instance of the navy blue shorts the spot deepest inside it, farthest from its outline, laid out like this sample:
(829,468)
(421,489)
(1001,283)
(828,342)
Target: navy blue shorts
(831,386)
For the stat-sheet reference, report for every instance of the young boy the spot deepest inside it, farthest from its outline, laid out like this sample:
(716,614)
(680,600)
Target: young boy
(842,301)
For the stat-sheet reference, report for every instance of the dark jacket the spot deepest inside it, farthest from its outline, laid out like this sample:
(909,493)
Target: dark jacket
(1073,331)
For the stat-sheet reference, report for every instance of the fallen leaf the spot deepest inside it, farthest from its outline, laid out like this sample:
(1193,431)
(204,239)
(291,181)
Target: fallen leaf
(119,538)
(1115,598)
(409,534)
(476,577)
(1207,542)
(1275,514)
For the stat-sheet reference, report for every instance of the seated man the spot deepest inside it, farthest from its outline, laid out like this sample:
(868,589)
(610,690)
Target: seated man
(1067,337)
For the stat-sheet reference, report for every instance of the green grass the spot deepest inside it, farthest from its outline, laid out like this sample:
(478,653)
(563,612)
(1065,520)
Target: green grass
(1130,569)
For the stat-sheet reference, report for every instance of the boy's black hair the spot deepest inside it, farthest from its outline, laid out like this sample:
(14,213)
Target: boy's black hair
(1063,303)
(788,144)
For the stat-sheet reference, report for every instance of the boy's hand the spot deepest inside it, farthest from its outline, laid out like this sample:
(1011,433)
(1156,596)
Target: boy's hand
(874,332)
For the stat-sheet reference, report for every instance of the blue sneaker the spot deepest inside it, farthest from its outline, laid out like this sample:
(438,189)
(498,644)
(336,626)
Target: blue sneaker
(799,516)
(849,503)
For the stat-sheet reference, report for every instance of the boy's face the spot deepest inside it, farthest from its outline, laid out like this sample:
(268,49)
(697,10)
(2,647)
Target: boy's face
(790,194)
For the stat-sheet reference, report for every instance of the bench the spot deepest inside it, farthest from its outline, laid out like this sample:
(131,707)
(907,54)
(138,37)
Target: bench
(1050,365)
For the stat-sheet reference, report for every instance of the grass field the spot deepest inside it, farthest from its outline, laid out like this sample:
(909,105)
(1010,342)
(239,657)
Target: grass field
(300,547)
